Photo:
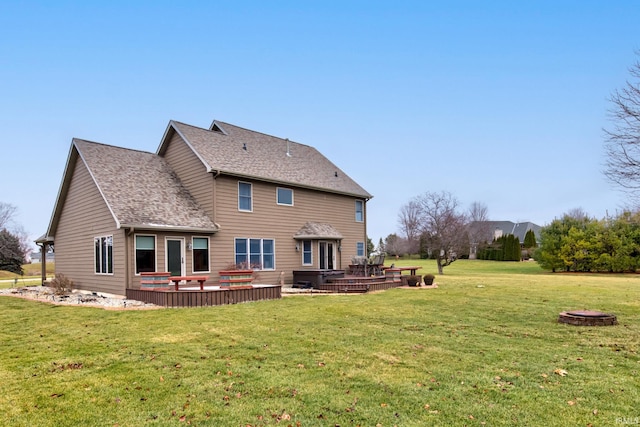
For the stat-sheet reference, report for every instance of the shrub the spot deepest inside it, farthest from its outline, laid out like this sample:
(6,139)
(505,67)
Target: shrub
(428,279)
(62,284)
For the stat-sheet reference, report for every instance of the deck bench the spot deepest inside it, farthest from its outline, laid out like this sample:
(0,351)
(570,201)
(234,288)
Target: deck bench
(177,279)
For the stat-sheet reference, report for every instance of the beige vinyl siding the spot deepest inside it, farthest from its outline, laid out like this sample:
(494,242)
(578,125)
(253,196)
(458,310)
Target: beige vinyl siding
(84,216)
(191,171)
(161,259)
(272,221)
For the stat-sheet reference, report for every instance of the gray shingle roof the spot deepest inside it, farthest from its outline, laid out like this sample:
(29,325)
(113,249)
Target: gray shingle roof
(242,152)
(519,230)
(141,189)
(317,230)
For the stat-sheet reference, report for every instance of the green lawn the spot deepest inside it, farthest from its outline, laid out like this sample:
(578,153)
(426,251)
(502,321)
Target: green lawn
(32,275)
(484,348)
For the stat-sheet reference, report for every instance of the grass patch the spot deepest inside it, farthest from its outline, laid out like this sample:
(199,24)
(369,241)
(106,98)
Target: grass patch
(32,275)
(485,347)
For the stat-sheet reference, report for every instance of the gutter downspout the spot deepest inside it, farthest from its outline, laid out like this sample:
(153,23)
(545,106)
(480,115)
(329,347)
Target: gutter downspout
(127,258)
(43,261)
(215,174)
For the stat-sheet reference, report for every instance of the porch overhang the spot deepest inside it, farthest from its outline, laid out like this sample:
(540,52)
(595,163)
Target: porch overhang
(317,230)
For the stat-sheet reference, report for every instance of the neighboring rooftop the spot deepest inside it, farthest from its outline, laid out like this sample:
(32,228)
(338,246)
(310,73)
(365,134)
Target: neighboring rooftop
(496,229)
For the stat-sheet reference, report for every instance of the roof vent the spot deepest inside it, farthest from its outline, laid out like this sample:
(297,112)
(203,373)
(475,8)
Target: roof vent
(244,146)
(288,148)
(335,174)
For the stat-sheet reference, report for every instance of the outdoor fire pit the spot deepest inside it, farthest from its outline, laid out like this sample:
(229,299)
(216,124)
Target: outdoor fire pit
(587,318)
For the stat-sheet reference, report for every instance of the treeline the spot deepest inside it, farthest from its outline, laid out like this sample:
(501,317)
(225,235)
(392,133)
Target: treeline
(585,244)
(504,248)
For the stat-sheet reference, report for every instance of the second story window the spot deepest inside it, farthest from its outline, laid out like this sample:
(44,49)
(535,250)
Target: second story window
(244,197)
(284,196)
(359,211)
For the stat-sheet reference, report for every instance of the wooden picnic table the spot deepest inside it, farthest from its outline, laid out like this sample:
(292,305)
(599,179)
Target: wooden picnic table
(177,279)
(411,268)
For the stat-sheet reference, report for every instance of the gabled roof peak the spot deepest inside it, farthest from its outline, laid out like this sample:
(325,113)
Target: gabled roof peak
(232,150)
(216,127)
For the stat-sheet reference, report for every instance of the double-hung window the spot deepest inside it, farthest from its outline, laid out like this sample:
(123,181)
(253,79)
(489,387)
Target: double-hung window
(359,248)
(200,254)
(257,254)
(103,248)
(359,211)
(245,197)
(145,254)
(307,254)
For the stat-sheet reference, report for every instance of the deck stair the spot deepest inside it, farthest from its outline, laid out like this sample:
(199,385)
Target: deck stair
(357,284)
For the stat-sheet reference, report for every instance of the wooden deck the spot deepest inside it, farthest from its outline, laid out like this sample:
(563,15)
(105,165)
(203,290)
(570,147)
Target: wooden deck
(206,297)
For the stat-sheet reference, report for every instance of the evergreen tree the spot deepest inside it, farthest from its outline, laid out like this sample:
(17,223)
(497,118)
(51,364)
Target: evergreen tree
(11,253)
(530,240)
(589,245)
(370,246)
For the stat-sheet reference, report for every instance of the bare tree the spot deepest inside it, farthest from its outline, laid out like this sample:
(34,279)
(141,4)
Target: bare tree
(478,228)
(577,213)
(409,222)
(395,245)
(7,211)
(443,226)
(622,145)
(478,211)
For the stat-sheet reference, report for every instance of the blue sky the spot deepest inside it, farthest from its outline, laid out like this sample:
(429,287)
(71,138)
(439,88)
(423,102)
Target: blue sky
(499,102)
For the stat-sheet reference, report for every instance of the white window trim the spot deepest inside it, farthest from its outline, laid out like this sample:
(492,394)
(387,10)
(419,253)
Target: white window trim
(292,196)
(135,249)
(251,196)
(356,210)
(248,240)
(193,266)
(94,255)
(364,249)
(311,251)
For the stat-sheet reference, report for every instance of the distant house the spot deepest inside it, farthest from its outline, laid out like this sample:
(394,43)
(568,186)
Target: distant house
(205,200)
(36,257)
(481,232)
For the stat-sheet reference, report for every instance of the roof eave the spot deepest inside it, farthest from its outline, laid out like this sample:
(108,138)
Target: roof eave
(316,237)
(44,239)
(365,195)
(165,141)
(177,228)
(57,207)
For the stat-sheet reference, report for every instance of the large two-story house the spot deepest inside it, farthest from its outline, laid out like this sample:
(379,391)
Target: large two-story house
(207,199)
